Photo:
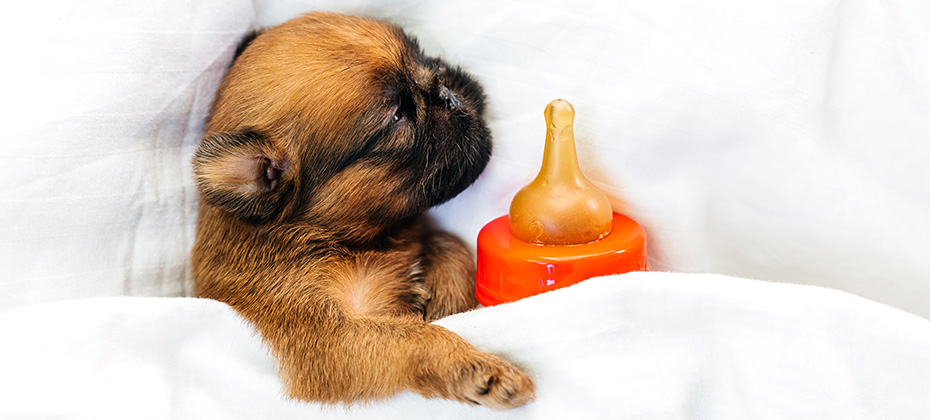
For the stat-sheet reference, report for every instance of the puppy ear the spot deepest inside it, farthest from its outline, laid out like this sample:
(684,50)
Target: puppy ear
(244,173)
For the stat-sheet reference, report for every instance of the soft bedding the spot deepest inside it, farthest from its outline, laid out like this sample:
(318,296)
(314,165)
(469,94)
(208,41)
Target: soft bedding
(634,346)
(782,143)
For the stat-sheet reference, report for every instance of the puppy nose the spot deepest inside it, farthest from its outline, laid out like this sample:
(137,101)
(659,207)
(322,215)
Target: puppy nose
(452,101)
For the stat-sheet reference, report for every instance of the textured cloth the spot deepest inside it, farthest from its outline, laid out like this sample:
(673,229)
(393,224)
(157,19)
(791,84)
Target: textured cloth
(775,140)
(636,346)
(104,103)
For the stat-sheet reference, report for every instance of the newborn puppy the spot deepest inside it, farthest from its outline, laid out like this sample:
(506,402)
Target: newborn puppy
(327,140)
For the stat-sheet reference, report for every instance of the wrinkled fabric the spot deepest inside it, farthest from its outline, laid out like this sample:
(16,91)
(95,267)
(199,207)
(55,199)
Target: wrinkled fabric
(783,141)
(635,346)
(104,103)
(774,140)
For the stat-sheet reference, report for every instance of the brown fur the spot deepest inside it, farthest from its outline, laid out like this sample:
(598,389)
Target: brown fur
(328,138)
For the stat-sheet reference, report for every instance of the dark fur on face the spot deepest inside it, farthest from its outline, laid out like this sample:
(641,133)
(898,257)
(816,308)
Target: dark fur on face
(375,109)
(328,139)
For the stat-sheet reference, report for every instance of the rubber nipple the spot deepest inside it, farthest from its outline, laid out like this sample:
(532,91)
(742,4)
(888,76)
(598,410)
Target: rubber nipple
(560,206)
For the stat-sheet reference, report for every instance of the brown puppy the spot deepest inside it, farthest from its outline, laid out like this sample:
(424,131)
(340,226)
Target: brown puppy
(328,138)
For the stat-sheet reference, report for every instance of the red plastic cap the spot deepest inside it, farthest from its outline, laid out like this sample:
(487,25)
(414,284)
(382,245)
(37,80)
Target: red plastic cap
(510,269)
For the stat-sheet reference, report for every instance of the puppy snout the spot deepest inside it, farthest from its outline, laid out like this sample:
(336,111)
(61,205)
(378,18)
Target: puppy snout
(450,98)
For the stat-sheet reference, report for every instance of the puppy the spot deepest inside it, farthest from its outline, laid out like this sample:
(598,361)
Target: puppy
(329,137)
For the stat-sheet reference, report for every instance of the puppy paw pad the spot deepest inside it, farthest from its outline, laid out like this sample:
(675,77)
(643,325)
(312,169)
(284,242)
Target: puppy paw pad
(495,383)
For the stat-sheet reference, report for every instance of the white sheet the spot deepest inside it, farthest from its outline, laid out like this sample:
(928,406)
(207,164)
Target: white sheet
(637,346)
(772,139)
(103,105)
(777,140)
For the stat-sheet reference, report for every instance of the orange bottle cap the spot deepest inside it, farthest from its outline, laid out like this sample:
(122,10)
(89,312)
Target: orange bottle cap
(510,269)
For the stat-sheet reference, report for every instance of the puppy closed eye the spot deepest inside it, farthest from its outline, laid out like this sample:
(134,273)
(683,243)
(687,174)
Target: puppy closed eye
(404,109)
(390,119)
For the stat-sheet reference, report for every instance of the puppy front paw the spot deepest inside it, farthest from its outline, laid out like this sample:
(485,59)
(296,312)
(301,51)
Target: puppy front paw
(492,382)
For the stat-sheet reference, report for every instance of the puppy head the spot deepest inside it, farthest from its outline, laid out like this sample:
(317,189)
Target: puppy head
(341,122)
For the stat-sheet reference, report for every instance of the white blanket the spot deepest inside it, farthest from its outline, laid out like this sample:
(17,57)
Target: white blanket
(635,346)
(779,140)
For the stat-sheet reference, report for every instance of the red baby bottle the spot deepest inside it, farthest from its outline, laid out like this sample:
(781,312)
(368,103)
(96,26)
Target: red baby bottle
(560,229)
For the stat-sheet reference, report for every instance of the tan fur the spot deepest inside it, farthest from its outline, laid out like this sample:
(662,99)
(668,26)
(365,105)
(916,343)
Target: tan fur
(328,261)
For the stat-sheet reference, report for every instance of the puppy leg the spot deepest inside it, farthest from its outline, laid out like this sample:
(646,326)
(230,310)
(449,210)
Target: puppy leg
(334,356)
(449,275)
(338,341)
(453,369)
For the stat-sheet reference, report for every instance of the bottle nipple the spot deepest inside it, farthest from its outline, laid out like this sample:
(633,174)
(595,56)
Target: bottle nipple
(560,206)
